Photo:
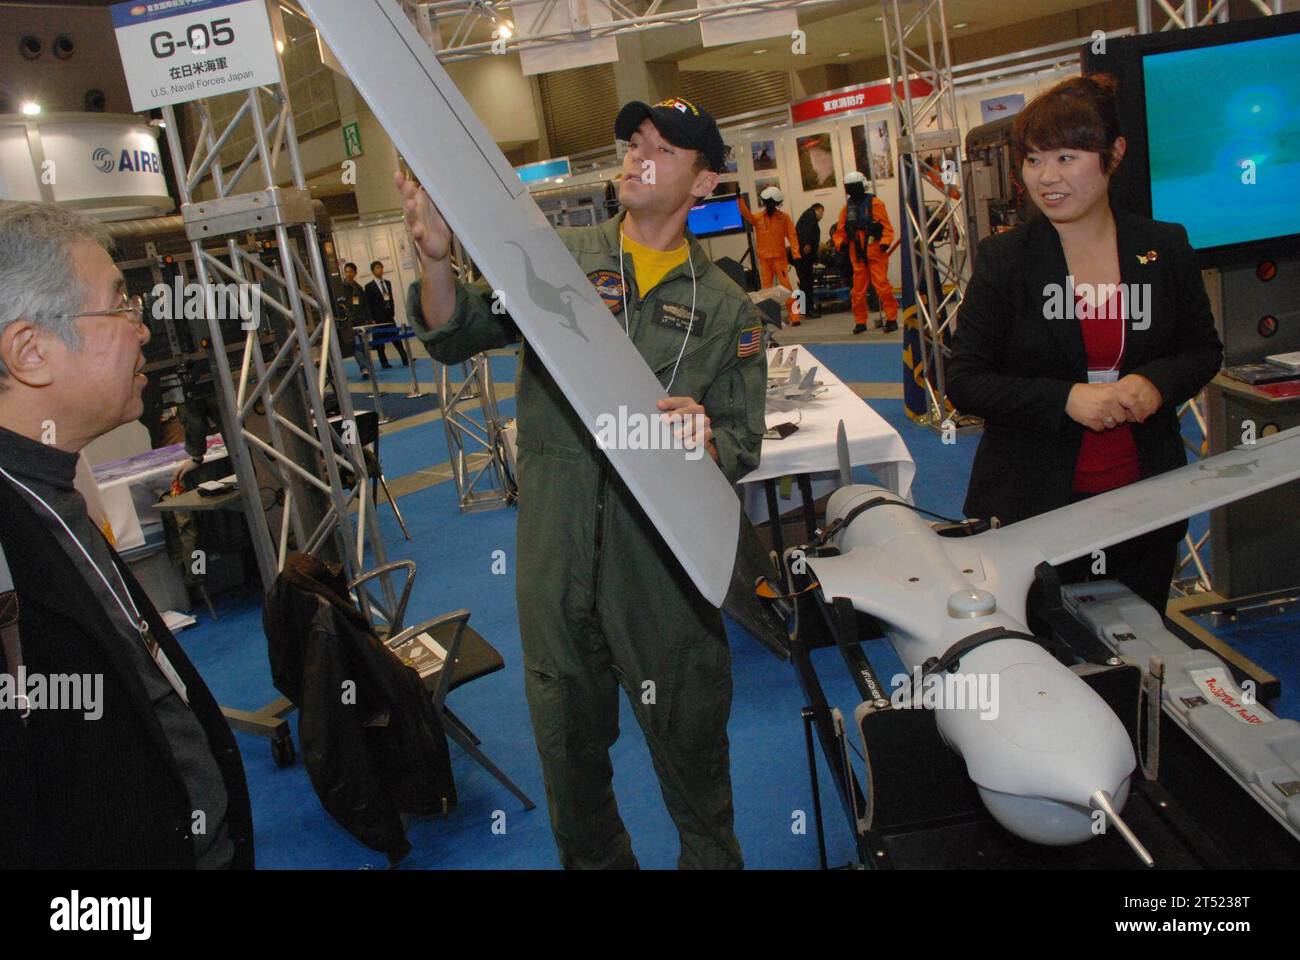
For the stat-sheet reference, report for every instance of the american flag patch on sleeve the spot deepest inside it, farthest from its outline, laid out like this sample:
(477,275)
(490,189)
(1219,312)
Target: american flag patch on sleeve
(750,342)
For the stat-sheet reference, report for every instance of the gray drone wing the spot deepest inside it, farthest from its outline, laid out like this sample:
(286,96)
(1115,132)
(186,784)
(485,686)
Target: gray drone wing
(548,296)
(1081,528)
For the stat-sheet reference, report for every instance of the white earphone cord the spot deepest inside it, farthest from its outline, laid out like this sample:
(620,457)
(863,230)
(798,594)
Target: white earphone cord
(622,283)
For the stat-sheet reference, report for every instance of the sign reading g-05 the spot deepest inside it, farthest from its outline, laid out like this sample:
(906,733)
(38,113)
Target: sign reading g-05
(174,51)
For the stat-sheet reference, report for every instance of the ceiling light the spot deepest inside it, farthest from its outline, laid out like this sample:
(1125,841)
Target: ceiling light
(503,31)
(757,52)
(960,26)
(30,108)
(279,46)
(844,54)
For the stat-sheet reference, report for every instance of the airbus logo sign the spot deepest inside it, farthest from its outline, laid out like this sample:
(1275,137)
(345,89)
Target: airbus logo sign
(128,161)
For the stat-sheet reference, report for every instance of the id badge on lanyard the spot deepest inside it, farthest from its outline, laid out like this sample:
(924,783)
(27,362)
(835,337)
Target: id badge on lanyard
(1111,374)
(163,662)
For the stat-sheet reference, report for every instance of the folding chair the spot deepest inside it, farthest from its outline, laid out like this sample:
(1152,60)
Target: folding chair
(469,655)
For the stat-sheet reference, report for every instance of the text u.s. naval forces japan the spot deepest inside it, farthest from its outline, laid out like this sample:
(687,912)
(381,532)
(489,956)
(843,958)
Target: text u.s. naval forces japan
(199,83)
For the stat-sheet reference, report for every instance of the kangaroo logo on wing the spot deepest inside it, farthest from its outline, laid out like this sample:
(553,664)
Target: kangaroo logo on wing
(1232,472)
(552,299)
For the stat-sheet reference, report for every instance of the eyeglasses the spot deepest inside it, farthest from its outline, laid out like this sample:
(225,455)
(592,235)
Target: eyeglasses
(133,307)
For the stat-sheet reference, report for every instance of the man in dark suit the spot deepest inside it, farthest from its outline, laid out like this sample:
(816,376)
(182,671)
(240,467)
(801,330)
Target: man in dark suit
(379,296)
(808,230)
(131,763)
(352,310)
(356,309)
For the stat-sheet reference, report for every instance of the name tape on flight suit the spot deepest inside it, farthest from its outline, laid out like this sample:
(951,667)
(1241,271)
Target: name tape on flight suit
(677,316)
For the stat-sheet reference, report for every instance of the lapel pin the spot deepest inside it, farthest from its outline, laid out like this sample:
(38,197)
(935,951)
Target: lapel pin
(1148,257)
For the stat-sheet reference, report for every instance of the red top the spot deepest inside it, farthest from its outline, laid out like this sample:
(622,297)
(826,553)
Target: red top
(1108,459)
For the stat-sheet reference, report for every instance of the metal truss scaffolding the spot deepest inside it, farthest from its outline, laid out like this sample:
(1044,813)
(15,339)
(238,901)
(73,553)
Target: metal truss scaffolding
(929,158)
(464,29)
(1197,579)
(476,447)
(481,466)
(1181,14)
(272,394)
(301,448)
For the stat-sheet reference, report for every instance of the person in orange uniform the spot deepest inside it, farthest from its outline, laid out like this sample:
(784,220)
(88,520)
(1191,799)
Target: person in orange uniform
(772,228)
(869,238)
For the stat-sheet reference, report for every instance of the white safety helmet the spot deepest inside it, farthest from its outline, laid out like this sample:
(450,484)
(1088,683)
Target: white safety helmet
(772,193)
(854,176)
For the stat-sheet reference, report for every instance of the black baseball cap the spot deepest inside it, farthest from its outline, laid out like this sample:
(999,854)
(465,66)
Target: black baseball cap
(681,123)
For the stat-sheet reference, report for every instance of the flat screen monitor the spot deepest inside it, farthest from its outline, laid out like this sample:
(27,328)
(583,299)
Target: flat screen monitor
(1223,139)
(716,216)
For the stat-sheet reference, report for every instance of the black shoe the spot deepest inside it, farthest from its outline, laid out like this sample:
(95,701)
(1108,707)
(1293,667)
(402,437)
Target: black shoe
(859,328)
(891,327)
(386,366)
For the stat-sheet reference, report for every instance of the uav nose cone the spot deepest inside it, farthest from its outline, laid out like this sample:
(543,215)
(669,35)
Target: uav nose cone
(1049,822)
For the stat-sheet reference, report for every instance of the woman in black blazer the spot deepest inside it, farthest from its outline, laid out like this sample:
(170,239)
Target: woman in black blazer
(1079,394)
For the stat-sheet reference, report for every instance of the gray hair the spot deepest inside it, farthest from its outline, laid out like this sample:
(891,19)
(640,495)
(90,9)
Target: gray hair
(38,279)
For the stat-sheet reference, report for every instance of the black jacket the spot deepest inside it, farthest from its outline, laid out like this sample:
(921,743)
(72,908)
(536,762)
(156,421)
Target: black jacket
(809,231)
(355,303)
(381,310)
(102,793)
(377,752)
(1015,368)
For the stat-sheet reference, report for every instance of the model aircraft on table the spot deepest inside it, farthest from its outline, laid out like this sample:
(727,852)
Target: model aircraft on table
(779,363)
(798,387)
(1055,752)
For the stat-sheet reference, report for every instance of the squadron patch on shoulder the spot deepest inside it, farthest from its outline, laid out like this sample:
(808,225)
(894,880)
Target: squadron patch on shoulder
(610,287)
(750,342)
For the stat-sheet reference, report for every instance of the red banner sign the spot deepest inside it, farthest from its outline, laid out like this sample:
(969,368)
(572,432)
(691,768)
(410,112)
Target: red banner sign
(851,99)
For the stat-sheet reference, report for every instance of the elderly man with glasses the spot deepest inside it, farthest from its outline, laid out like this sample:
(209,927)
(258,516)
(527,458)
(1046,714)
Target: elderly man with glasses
(113,752)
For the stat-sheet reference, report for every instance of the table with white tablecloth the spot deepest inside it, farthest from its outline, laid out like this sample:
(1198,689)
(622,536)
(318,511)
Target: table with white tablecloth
(129,488)
(809,454)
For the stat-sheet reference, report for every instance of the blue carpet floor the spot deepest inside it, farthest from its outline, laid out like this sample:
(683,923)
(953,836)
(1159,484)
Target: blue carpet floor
(454,556)
(396,406)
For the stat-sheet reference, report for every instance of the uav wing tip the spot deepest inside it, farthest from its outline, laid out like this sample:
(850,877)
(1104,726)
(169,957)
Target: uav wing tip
(842,453)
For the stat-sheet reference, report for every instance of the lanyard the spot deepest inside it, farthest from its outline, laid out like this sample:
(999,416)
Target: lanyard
(1123,328)
(138,621)
(690,324)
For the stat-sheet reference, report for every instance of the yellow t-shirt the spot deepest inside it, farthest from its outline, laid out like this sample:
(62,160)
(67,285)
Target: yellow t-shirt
(652,265)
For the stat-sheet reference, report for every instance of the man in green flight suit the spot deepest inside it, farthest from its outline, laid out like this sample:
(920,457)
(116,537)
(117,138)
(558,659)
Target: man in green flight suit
(602,600)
